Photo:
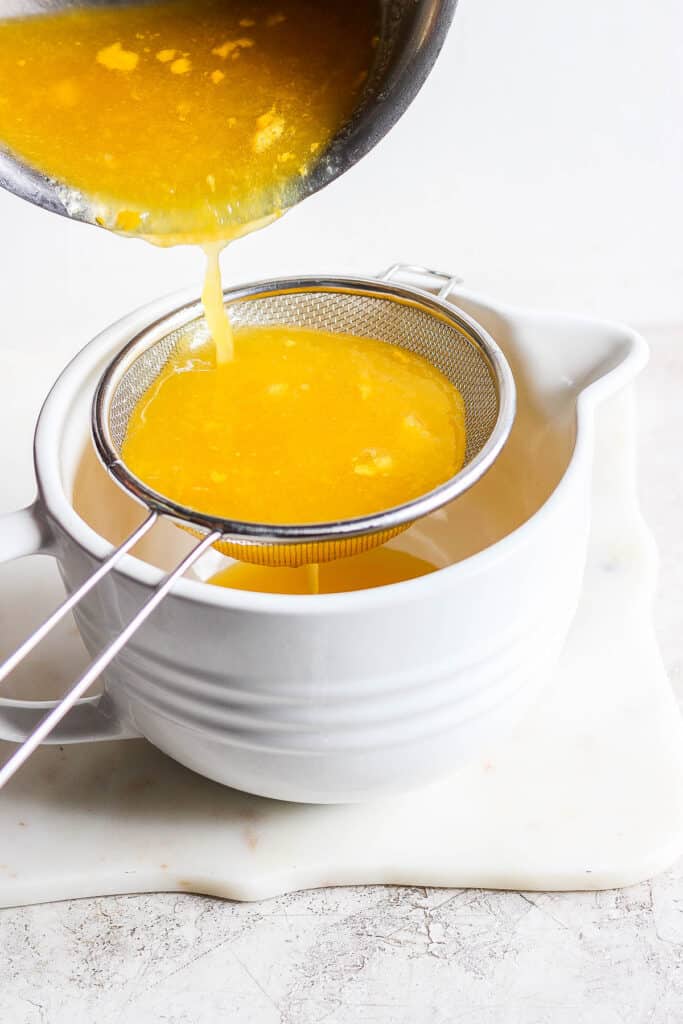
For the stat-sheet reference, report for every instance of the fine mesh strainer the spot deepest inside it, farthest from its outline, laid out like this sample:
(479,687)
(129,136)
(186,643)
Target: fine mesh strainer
(459,348)
(378,308)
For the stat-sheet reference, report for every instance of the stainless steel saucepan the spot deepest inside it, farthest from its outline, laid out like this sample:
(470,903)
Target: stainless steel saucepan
(411,35)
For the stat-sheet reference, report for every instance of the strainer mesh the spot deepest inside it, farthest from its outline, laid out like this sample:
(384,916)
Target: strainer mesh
(138,378)
(389,319)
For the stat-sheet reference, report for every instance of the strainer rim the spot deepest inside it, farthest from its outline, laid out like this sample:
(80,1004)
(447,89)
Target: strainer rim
(257,534)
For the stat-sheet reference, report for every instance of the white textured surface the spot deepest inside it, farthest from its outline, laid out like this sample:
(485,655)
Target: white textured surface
(367,956)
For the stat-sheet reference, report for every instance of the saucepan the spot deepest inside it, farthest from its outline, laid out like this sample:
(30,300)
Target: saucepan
(411,35)
(337,697)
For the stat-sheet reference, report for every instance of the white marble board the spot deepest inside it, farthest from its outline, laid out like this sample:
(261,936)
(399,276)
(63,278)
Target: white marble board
(587,794)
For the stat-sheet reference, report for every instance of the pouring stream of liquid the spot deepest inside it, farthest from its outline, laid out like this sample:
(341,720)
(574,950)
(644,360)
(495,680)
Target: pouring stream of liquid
(212,300)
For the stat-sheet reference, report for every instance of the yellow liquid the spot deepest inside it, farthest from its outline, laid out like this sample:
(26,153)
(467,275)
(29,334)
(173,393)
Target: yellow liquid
(301,426)
(214,311)
(197,121)
(186,120)
(376,568)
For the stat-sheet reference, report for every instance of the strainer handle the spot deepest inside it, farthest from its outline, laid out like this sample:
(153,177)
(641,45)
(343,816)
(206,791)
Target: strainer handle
(105,657)
(22,534)
(438,281)
(31,544)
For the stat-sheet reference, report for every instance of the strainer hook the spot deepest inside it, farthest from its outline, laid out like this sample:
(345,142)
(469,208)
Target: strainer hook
(408,271)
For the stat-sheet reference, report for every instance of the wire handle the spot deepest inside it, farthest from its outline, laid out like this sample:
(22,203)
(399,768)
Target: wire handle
(96,667)
(63,609)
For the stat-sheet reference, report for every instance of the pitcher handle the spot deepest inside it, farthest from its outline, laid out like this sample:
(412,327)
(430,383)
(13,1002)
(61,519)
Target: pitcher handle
(24,533)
